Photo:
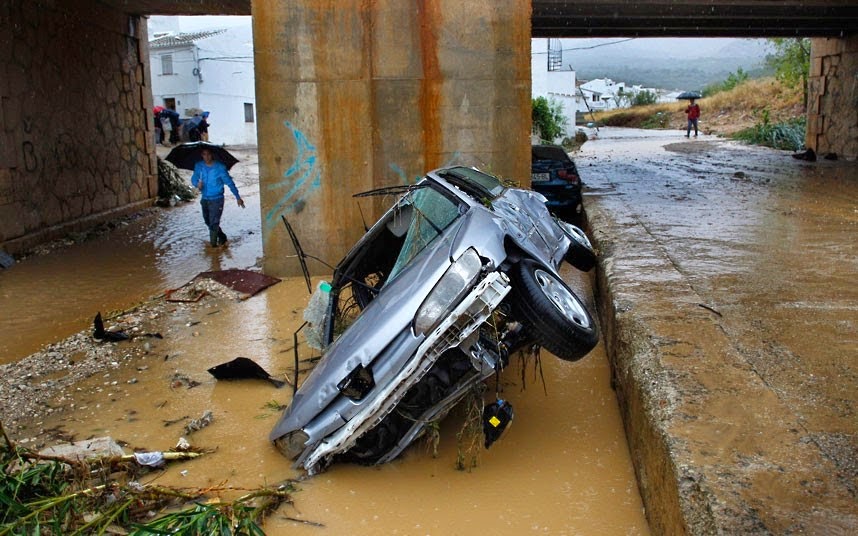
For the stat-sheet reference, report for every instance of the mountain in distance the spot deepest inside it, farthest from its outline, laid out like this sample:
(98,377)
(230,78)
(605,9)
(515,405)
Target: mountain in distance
(665,63)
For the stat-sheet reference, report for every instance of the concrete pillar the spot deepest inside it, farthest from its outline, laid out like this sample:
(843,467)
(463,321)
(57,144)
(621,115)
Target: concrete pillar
(832,114)
(360,94)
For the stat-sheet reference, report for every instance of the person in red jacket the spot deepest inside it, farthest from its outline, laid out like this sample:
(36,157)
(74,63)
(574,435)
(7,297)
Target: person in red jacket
(693,113)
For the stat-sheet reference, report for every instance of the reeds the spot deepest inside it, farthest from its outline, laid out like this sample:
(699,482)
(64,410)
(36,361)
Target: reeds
(51,496)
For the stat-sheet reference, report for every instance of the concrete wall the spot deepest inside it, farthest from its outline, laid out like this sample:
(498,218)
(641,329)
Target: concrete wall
(832,107)
(355,95)
(75,143)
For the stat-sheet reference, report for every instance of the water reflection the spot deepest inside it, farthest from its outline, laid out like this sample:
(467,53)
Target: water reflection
(55,295)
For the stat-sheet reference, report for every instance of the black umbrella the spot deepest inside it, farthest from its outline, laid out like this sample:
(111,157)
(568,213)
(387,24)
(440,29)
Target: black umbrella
(186,155)
(689,95)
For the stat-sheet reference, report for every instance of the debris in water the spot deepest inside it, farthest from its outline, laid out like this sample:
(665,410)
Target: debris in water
(496,417)
(242,368)
(101,334)
(181,380)
(808,155)
(199,424)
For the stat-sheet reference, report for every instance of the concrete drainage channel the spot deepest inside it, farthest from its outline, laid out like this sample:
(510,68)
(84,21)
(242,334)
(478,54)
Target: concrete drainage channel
(717,449)
(647,394)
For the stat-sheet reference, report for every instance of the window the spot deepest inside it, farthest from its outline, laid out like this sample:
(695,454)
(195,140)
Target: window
(248,112)
(166,64)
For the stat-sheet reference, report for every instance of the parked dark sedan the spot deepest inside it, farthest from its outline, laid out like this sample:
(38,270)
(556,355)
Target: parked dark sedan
(554,175)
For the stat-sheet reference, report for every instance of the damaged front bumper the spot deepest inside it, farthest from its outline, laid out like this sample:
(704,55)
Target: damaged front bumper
(452,332)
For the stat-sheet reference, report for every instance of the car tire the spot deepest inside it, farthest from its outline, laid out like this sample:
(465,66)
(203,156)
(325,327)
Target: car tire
(580,253)
(555,316)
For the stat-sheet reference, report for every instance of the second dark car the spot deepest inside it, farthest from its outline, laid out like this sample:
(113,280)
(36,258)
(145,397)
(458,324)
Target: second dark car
(554,175)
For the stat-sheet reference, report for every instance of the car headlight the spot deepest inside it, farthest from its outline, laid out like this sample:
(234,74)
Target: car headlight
(292,444)
(456,281)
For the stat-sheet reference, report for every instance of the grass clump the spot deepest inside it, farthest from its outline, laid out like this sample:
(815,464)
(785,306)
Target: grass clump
(789,135)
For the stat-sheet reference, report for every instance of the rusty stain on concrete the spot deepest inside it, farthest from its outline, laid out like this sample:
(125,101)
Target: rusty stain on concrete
(430,99)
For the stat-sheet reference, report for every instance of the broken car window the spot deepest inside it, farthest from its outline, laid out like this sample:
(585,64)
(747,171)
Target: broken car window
(431,212)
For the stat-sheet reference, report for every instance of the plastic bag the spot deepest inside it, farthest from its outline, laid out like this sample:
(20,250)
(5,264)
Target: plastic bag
(315,313)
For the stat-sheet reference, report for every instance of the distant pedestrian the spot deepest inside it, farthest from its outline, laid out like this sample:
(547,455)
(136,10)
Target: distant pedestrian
(166,128)
(204,127)
(209,177)
(156,113)
(693,113)
(192,127)
(170,124)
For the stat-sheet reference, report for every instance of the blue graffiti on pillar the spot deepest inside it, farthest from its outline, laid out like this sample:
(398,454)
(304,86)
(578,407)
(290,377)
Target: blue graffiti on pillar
(301,179)
(401,173)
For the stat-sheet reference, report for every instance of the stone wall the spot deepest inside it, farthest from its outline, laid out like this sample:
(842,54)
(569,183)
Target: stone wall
(75,135)
(832,114)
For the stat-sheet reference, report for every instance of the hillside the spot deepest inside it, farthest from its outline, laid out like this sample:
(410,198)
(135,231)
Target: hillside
(670,63)
(723,114)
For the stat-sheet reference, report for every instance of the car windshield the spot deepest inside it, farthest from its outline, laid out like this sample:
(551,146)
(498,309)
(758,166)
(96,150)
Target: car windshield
(430,212)
(480,186)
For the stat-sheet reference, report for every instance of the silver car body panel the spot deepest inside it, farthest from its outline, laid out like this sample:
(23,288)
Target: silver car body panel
(382,336)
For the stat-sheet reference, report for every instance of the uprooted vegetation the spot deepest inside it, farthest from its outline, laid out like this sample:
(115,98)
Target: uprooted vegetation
(725,113)
(52,495)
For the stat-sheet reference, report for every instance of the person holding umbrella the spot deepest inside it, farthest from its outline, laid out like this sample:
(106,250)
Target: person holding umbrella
(692,111)
(209,178)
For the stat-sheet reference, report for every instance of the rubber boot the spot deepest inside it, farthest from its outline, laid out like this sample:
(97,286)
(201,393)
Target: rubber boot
(213,236)
(221,237)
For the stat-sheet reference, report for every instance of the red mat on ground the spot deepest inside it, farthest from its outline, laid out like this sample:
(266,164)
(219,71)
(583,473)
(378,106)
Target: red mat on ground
(243,281)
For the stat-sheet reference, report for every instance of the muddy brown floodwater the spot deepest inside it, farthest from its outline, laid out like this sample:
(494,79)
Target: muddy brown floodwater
(563,466)
(58,294)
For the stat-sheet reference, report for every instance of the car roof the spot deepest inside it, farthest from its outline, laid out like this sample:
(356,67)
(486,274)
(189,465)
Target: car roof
(549,152)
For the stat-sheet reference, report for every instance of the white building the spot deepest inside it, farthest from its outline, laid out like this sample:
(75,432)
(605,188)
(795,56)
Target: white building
(209,70)
(603,94)
(552,78)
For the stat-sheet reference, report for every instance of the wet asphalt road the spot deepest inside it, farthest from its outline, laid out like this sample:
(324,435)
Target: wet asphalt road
(727,279)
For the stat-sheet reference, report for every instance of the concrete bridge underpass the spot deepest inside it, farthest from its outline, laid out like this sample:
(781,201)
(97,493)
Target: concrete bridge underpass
(351,95)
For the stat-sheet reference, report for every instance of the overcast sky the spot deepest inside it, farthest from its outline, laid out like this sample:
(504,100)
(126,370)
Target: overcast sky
(606,47)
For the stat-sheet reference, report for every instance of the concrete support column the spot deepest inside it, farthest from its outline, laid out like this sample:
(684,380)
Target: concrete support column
(832,115)
(360,94)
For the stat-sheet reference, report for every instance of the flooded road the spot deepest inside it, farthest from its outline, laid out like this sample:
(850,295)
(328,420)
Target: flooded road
(563,466)
(731,270)
(58,294)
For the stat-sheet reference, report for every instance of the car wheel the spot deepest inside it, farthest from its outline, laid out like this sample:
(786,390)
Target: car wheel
(555,316)
(580,253)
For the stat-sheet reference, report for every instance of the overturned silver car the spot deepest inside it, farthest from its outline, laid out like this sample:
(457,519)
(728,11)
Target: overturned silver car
(458,275)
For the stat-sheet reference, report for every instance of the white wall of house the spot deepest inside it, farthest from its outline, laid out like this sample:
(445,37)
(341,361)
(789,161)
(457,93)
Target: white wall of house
(214,74)
(607,93)
(558,85)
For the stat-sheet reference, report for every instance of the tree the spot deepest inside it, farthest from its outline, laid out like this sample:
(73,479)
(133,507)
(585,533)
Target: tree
(733,79)
(548,119)
(791,60)
(645,97)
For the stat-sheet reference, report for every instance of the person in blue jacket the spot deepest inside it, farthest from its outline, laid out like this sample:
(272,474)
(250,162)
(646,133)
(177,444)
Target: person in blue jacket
(209,178)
